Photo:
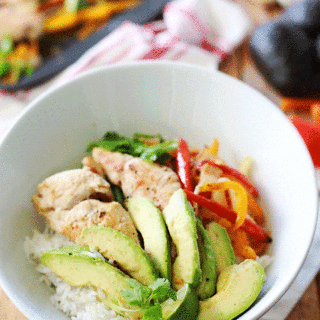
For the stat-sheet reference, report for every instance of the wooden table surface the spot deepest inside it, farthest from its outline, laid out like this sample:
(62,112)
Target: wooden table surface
(239,65)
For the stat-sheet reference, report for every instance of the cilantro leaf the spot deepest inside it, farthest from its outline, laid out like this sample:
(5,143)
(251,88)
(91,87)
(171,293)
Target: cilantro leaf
(153,313)
(149,298)
(138,296)
(161,290)
(148,147)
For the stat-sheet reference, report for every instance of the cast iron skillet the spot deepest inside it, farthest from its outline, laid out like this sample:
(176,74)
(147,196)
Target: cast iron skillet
(73,49)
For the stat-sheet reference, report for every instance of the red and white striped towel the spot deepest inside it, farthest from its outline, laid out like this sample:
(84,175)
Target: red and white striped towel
(131,42)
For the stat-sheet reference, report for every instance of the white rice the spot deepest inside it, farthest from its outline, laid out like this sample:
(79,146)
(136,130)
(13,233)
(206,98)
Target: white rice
(76,302)
(79,303)
(265,260)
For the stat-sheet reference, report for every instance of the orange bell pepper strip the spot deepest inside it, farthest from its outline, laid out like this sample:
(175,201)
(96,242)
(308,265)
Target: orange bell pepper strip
(290,104)
(234,174)
(249,226)
(315,113)
(242,246)
(255,210)
(241,204)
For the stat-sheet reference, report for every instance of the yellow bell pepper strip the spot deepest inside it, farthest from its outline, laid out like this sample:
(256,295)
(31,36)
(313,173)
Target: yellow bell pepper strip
(103,10)
(214,148)
(99,12)
(62,21)
(184,165)
(249,226)
(235,174)
(118,6)
(241,204)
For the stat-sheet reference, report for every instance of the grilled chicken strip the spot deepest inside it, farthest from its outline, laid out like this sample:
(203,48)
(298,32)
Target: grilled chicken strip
(65,189)
(70,201)
(93,166)
(91,213)
(137,177)
(20,23)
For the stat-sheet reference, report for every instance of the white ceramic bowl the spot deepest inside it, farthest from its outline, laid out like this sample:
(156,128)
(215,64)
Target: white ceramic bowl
(174,100)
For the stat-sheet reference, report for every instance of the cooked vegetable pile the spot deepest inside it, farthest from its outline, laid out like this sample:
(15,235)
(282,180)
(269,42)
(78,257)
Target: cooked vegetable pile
(286,50)
(184,242)
(29,27)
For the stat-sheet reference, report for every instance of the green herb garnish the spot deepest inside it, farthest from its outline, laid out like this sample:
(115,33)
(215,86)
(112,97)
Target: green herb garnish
(138,146)
(149,298)
(6,44)
(4,67)
(117,194)
(6,47)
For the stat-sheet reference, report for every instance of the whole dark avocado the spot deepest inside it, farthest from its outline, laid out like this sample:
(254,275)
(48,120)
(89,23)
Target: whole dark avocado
(304,15)
(286,56)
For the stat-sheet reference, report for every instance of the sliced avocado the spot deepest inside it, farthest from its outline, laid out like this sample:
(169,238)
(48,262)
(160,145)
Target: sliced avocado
(186,306)
(115,245)
(222,247)
(207,287)
(238,287)
(149,221)
(79,266)
(181,223)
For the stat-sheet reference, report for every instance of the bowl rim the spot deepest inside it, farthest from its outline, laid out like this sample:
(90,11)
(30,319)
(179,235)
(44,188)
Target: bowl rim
(270,301)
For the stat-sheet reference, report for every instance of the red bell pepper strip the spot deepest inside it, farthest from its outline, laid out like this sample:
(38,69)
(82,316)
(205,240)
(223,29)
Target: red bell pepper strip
(184,165)
(255,231)
(233,173)
(250,227)
(212,205)
(241,197)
